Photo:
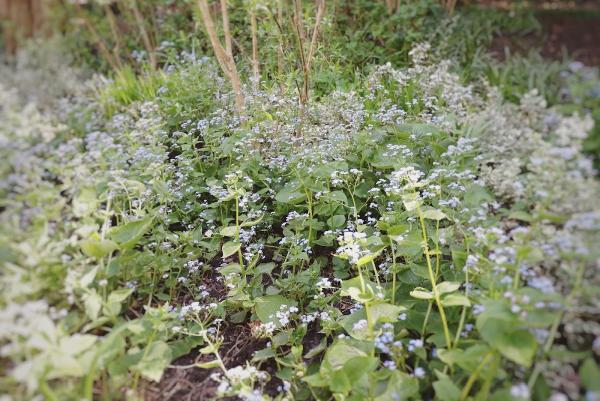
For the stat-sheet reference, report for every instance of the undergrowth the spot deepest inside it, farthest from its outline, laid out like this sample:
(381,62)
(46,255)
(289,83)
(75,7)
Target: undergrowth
(420,229)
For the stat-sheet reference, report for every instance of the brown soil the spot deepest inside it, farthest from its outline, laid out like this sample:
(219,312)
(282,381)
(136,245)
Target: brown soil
(568,29)
(185,383)
(562,35)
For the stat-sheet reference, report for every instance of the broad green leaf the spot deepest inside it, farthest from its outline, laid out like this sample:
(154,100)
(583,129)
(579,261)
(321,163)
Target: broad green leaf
(447,287)
(400,386)
(348,322)
(434,214)
(384,312)
(129,234)
(290,194)
(418,129)
(269,305)
(263,355)
(250,223)
(76,344)
(92,303)
(455,300)
(521,215)
(421,293)
(589,374)
(475,195)
(336,221)
(264,268)
(518,345)
(446,390)
(155,360)
(85,202)
(338,196)
(230,231)
(341,351)
(88,277)
(112,307)
(229,248)
(367,259)
(97,248)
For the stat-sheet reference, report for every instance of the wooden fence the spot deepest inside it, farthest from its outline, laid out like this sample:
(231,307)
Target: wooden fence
(20,19)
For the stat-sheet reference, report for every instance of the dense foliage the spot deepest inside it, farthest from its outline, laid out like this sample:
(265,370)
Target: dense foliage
(419,230)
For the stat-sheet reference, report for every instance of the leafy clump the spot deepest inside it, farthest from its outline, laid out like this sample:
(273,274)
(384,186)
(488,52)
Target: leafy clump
(412,238)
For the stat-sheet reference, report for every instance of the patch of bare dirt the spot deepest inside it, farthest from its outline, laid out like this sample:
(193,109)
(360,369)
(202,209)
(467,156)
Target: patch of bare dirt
(576,35)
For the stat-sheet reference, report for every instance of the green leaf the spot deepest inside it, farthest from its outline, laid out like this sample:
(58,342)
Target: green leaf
(250,223)
(348,322)
(411,201)
(446,390)
(447,287)
(129,234)
(384,312)
(264,268)
(521,215)
(92,303)
(518,345)
(263,355)
(434,214)
(154,361)
(341,351)
(113,303)
(230,231)
(337,196)
(418,129)
(290,194)
(229,248)
(98,248)
(367,258)
(400,386)
(85,202)
(336,221)
(269,305)
(421,293)
(475,195)
(589,374)
(455,300)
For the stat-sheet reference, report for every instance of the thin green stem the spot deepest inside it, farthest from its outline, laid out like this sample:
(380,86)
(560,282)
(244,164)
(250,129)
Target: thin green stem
(432,278)
(473,377)
(554,329)
(394,275)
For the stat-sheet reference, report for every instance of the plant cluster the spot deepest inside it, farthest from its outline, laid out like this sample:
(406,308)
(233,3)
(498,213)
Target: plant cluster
(413,237)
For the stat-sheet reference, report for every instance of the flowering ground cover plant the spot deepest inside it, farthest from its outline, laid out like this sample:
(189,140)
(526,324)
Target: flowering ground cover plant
(411,237)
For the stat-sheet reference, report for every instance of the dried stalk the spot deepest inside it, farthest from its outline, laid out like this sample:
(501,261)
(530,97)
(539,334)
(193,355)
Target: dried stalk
(306,59)
(390,5)
(226,30)
(115,33)
(224,58)
(279,21)
(102,47)
(255,68)
(315,33)
(144,33)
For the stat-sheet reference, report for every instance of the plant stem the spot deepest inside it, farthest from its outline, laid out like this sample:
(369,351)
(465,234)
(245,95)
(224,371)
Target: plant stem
(554,329)
(394,276)
(237,232)
(139,20)
(255,68)
(465,392)
(432,278)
